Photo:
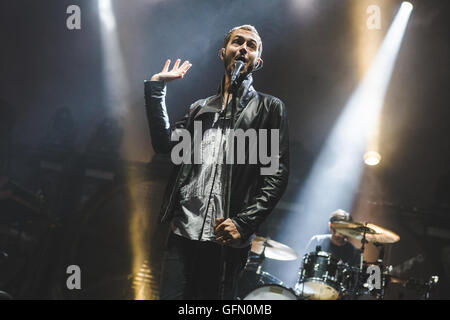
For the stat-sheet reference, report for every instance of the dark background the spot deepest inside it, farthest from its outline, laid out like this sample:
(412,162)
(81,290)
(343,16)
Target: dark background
(56,118)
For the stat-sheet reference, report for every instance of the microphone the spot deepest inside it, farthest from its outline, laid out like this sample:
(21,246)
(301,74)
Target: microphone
(238,65)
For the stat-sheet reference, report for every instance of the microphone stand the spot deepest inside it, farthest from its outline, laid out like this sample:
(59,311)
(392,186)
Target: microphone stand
(223,265)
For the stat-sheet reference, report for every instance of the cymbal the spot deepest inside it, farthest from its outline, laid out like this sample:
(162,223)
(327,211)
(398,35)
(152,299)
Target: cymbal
(373,232)
(273,249)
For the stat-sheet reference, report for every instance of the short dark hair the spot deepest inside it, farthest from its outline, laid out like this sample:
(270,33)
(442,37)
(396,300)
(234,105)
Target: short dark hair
(340,215)
(247,27)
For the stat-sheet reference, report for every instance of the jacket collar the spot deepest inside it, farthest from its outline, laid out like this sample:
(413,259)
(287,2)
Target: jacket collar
(245,92)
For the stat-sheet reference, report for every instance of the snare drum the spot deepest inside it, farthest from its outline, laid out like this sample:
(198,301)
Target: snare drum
(320,277)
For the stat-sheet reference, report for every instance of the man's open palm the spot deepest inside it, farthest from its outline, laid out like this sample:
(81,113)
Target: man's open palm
(176,72)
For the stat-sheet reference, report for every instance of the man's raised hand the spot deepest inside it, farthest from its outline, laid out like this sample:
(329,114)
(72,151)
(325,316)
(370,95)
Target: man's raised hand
(176,72)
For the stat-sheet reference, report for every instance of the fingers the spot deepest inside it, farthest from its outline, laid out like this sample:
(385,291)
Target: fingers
(224,226)
(219,221)
(221,227)
(223,241)
(225,231)
(176,72)
(185,66)
(175,66)
(166,66)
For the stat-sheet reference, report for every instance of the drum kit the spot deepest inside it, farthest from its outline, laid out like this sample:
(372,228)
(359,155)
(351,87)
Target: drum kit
(322,276)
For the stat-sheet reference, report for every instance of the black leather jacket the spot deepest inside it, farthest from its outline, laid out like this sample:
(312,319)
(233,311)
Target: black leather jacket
(253,196)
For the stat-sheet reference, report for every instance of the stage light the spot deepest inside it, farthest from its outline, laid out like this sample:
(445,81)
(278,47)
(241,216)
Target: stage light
(372,158)
(407,5)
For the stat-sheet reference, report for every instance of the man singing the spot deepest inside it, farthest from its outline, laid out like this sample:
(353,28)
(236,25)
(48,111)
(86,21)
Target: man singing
(205,250)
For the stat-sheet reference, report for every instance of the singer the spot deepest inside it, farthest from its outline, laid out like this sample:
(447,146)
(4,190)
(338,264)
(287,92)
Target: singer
(213,208)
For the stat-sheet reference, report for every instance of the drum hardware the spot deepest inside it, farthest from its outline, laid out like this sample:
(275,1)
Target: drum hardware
(361,286)
(424,289)
(372,232)
(321,276)
(361,260)
(362,290)
(430,286)
(325,277)
(367,232)
(259,259)
(272,249)
(256,284)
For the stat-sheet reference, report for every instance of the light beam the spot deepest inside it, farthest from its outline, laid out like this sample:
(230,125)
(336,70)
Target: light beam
(335,175)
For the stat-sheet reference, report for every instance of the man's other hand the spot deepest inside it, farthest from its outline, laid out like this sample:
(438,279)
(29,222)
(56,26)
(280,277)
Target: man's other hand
(226,232)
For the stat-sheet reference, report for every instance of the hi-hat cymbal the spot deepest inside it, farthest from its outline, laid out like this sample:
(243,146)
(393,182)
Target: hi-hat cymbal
(273,249)
(373,232)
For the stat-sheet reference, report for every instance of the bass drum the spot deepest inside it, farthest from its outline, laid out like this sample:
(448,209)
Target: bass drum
(271,292)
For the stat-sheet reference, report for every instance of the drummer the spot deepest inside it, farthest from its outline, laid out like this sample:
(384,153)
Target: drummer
(336,243)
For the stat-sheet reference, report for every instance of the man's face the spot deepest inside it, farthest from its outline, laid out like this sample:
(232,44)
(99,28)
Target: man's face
(338,238)
(243,45)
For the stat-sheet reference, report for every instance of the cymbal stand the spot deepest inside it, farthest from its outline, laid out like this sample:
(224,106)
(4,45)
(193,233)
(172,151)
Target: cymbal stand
(382,268)
(262,256)
(361,262)
(429,287)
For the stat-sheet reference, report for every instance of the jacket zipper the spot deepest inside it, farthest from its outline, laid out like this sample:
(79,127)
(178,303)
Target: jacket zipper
(181,170)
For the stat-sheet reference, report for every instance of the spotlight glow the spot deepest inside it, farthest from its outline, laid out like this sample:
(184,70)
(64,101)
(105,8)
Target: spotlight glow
(407,5)
(372,158)
(106,14)
(116,91)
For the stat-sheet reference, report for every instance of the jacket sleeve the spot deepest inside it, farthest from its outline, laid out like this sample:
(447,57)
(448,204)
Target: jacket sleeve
(272,186)
(158,119)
